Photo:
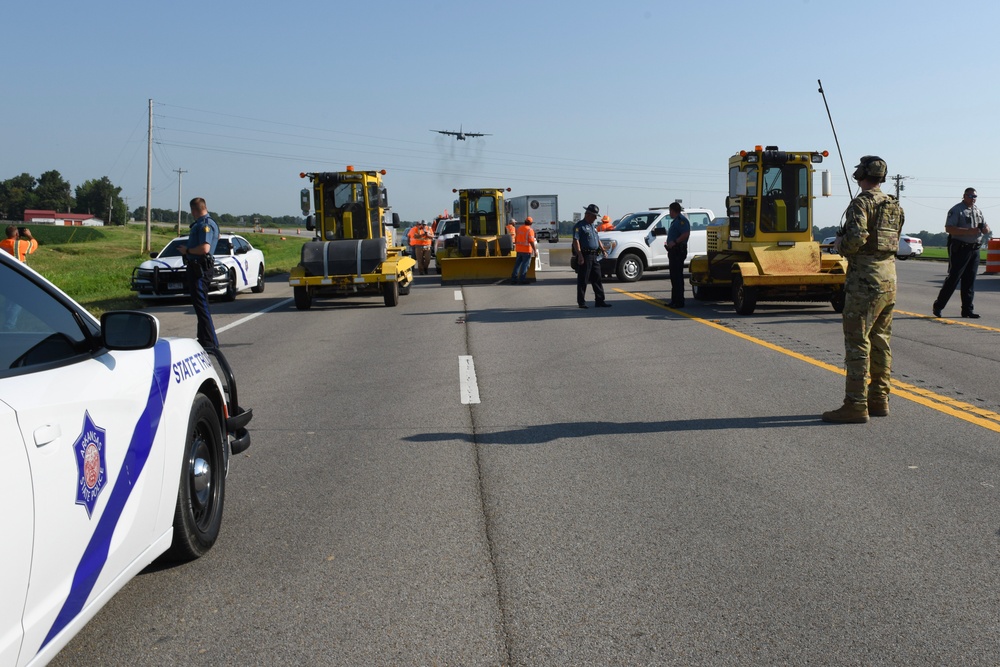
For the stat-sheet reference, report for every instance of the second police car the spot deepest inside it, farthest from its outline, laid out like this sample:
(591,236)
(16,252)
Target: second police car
(116,444)
(238,267)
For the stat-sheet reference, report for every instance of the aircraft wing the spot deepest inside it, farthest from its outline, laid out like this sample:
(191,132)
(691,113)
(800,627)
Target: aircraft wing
(445,132)
(477,134)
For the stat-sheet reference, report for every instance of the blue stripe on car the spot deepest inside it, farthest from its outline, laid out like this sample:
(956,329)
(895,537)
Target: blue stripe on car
(95,556)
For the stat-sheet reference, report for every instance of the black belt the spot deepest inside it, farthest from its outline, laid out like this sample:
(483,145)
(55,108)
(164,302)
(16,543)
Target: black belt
(590,252)
(965,244)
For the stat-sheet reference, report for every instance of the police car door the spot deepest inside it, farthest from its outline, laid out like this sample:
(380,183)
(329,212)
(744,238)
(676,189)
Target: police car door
(96,476)
(16,527)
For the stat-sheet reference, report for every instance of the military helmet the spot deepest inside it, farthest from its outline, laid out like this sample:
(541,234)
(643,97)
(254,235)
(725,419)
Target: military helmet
(873,167)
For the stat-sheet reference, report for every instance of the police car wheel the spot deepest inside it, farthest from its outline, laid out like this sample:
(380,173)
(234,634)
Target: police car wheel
(259,287)
(201,492)
(230,294)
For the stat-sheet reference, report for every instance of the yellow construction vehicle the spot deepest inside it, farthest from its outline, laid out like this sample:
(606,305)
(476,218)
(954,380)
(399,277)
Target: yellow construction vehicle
(483,251)
(353,252)
(765,251)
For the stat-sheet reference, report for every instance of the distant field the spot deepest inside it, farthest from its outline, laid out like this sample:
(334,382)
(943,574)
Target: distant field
(94,264)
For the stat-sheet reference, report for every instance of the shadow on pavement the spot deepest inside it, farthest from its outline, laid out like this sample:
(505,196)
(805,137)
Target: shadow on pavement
(534,435)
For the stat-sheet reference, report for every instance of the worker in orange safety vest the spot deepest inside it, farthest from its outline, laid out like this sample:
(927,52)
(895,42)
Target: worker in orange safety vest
(19,243)
(420,237)
(526,249)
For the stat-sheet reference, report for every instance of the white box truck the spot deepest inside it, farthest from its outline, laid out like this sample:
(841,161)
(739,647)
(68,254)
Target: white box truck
(544,212)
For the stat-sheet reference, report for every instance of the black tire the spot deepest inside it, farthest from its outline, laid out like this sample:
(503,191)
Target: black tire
(744,298)
(259,287)
(230,294)
(629,268)
(303,299)
(390,293)
(701,292)
(837,301)
(405,289)
(201,491)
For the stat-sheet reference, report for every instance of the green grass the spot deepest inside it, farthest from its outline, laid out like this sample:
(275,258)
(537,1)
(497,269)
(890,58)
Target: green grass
(94,264)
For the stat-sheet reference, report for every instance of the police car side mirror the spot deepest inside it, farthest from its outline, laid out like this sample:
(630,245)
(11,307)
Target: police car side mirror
(129,330)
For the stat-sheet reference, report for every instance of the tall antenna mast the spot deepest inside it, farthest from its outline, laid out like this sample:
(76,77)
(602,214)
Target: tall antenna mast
(835,139)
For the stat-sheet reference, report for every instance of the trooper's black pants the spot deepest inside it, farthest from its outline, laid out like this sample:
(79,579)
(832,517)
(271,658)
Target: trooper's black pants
(590,271)
(198,284)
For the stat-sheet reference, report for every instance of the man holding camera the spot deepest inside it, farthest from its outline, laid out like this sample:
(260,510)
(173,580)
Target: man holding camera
(965,226)
(19,243)
(202,237)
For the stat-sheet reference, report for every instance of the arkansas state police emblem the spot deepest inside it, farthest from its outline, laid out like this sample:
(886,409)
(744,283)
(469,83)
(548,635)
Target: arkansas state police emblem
(90,461)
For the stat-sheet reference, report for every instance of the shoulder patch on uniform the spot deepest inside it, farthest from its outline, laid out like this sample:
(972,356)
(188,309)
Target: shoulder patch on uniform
(91,464)
(207,228)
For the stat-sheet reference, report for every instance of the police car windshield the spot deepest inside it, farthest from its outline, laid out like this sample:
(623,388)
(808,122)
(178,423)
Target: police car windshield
(172,248)
(222,247)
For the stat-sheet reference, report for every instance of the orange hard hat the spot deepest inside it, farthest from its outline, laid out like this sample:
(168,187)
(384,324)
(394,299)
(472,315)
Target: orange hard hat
(528,220)
(606,219)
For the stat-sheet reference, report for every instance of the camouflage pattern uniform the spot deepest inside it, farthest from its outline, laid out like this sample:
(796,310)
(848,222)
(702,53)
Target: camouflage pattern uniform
(870,240)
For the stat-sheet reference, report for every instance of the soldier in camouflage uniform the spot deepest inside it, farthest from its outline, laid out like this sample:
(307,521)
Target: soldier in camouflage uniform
(869,240)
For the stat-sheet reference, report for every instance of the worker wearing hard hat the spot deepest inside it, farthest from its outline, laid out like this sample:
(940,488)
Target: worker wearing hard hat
(526,249)
(511,228)
(606,224)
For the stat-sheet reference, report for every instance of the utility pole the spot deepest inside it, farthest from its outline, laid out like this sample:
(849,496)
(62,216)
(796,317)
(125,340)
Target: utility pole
(149,180)
(899,183)
(180,178)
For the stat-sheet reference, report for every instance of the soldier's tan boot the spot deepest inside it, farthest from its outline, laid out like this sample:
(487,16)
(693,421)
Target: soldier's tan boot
(878,405)
(849,413)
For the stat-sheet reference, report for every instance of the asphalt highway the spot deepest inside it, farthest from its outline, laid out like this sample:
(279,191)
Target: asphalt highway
(636,486)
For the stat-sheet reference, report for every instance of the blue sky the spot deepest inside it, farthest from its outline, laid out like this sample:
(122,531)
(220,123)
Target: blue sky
(627,104)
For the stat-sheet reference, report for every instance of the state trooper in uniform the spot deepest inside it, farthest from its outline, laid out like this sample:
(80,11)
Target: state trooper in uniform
(965,226)
(588,251)
(202,237)
(869,240)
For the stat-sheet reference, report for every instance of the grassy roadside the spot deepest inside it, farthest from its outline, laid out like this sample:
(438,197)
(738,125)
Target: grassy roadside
(94,264)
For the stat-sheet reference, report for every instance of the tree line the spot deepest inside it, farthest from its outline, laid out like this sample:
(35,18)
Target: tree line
(225,219)
(102,199)
(50,191)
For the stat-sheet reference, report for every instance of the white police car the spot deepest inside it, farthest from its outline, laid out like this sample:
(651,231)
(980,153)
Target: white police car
(909,246)
(115,446)
(238,267)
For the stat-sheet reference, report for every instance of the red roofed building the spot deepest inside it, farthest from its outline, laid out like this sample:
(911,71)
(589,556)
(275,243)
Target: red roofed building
(65,219)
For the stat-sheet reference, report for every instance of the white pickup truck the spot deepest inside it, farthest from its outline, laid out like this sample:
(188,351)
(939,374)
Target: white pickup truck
(636,244)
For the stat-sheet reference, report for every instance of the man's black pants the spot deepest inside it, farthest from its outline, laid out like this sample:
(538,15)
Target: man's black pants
(963,265)
(590,271)
(198,284)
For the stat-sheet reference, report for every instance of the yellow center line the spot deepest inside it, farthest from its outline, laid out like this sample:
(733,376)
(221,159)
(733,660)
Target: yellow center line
(949,406)
(945,320)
